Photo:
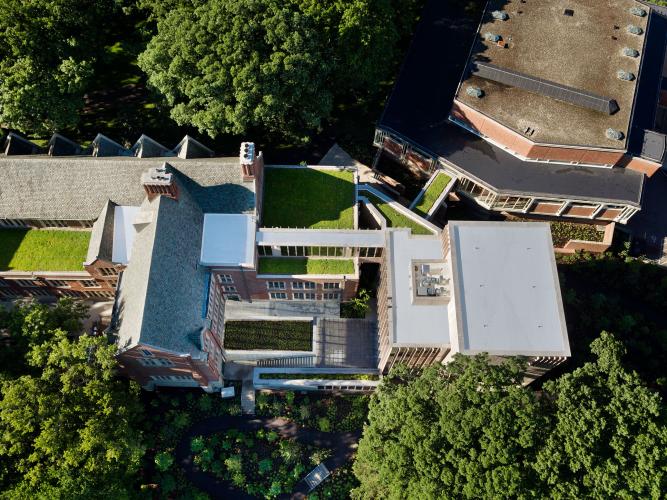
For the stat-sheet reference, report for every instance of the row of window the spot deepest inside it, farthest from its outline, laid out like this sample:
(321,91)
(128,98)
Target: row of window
(303,251)
(44,223)
(305,296)
(301,285)
(151,361)
(54,283)
(172,378)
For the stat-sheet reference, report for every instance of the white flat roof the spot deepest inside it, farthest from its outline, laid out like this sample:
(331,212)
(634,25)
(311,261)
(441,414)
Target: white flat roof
(321,237)
(423,324)
(228,240)
(123,233)
(506,284)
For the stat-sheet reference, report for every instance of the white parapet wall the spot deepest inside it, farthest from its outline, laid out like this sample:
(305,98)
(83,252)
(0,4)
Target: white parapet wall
(299,383)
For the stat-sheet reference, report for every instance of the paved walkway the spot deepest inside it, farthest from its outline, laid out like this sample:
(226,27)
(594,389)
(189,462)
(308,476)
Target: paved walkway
(342,444)
(248,397)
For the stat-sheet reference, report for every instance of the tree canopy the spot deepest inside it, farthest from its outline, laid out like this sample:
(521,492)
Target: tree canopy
(468,429)
(68,430)
(47,53)
(228,66)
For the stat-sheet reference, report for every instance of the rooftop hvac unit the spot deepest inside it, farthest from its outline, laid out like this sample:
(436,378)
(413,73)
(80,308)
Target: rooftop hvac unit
(475,92)
(637,11)
(635,30)
(491,37)
(627,51)
(501,15)
(614,134)
(625,75)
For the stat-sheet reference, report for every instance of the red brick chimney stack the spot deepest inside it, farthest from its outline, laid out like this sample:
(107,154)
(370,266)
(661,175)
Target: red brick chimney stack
(159,182)
(248,158)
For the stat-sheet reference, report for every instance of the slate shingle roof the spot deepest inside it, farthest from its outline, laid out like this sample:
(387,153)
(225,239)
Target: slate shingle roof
(101,237)
(76,188)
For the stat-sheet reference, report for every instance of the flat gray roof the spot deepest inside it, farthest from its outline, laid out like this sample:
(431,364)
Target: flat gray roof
(582,51)
(508,298)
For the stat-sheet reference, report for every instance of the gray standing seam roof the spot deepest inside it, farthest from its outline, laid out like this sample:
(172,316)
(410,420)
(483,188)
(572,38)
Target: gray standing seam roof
(76,188)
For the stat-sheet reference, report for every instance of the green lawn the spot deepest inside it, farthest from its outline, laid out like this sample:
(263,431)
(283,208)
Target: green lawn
(304,265)
(273,335)
(308,198)
(432,194)
(43,249)
(394,218)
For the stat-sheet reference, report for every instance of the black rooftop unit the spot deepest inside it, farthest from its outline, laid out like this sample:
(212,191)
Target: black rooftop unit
(546,88)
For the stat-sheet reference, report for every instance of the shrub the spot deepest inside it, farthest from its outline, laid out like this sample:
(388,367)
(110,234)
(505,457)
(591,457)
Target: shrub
(234,465)
(163,461)
(304,412)
(205,403)
(264,466)
(323,424)
(167,483)
(275,489)
(197,444)
(289,398)
(319,456)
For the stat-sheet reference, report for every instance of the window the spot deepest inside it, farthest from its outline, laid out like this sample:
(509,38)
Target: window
(230,288)
(225,278)
(301,285)
(60,283)
(146,352)
(264,250)
(332,286)
(155,362)
(370,252)
(233,296)
(277,295)
(26,283)
(276,285)
(89,283)
(303,296)
(107,271)
(331,296)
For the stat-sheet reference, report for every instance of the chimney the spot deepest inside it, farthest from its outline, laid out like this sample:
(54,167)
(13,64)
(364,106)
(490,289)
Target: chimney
(247,158)
(158,182)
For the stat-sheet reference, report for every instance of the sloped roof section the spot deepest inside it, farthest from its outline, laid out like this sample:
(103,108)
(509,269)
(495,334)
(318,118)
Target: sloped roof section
(145,147)
(191,148)
(17,145)
(101,237)
(103,146)
(61,146)
(76,188)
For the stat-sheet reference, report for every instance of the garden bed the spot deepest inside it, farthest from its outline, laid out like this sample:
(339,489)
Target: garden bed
(395,218)
(308,198)
(562,232)
(319,376)
(432,194)
(304,265)
(269,335)
(43,249)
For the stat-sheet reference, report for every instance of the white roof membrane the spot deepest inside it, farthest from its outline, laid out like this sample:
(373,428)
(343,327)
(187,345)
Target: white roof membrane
(228,240)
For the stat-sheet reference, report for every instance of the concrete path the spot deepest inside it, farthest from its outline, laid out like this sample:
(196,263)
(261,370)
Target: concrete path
(248,397)
(342,444)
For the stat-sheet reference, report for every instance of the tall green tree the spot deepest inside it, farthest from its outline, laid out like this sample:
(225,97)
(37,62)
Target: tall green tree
(468,429)
(71,430)
(229,66)
(47,53)
(607,433)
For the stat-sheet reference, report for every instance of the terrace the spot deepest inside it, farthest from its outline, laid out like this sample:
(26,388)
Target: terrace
(305,265)
(307,197)
(43,249)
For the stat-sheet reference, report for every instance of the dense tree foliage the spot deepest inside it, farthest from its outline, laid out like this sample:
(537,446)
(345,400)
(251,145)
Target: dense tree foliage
(67,428)
(47,54)
(227,66)
(29,324)
(469,430)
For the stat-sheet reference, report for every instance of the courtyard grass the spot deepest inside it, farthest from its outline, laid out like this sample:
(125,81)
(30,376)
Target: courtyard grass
(395,218)
(308,198)
(304,265)
(43,249)
(432,194)
(271,335)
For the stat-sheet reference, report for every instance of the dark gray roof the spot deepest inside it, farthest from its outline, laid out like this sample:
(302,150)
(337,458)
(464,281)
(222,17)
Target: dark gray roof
(76,188)
(161,300)
(103,146)
(418,111)
(191,148)
(62,146)
(17,145)
(101,236)
(145,147)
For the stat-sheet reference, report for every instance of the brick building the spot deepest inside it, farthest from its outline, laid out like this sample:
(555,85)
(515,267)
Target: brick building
(558,111)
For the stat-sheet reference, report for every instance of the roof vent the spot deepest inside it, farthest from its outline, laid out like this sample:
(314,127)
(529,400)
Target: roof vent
(501,15)
(635,30)
(614,134)
(627,51)
(491,37)
(568,12)
(625,75)
(475,92)
(637,11)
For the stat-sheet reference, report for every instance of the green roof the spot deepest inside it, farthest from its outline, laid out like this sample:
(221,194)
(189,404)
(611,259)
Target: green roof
(304,265)
(393,217)
(308,198)
(43,249)
(432,194)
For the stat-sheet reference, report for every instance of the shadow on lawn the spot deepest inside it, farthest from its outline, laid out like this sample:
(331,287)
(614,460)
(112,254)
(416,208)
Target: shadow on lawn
(10,241)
